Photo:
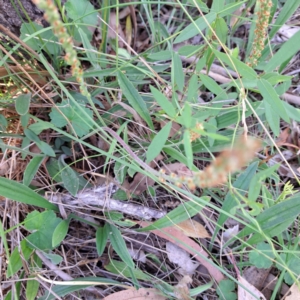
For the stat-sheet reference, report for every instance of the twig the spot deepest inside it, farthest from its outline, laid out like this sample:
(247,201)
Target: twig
(99,196)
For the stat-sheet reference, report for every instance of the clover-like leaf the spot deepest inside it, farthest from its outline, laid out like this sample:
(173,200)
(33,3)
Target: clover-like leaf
(263,258)
(65,112)
(43,224)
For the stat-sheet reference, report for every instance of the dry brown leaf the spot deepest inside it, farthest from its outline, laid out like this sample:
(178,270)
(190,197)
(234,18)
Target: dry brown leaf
(181,290)
(140,294)
(236,15)
(181,258)
(179,169)
(294,293)
(175,235)
(244,294)
(193,229)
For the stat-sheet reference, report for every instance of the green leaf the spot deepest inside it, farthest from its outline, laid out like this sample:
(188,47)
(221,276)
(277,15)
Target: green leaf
(45,40)
(181,213)
(134,98)
(16,258)
(262,256)
(273,220)
(177,74)
(226,290)
(158,142)
(23,194)
(212,86)
(236,65)
(23,103)
(188,149)
(82,12)
(164,103)
(55,259)
(60,232)
(32,285)
(43,224)
(272,118)
(3,123)
(270,95)
(196,27)
(65,111)
(221,29)
(119,245)
(121,269)
(101,239)
(293,112)
(31,169)
(217,5)
(69,177)
(292,263)
(54,171)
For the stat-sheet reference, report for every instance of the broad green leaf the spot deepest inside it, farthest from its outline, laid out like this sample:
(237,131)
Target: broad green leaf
(217,5)
(55,259)
(32,136)
(15,259)
(23,194)
(81,11)
(134,98)
(261,257)
(32,286)
(188,149)
(69,177)
(32,169)
(66,113)
(120,172)
(273,118)
(273,220)
(226,290)
(286,51)
(119,245)
(181,213)
(43,225)
(158,142)
(23,103)
(46,148)
(196,27)
(3,123)
(177,74)
(270,95)
(236,65)
(212,86)
(77,285)
(163,102)
(46,40)
(60,232)
(160,56)
(120,268)
(221,29)
(54,171)
(293,112)
(101,239)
